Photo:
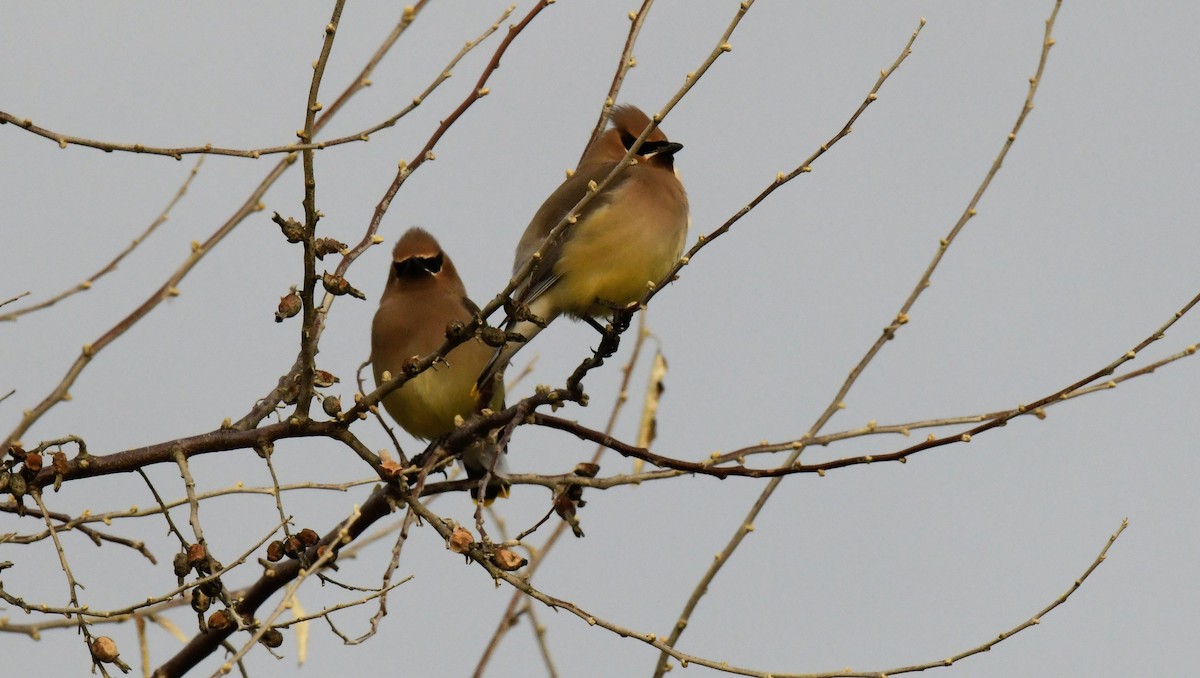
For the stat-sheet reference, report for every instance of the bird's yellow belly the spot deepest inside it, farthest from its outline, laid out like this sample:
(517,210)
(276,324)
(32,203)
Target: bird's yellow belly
(614,265)
(426,405)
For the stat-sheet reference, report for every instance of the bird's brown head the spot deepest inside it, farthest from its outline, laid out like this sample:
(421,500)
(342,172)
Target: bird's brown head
(418,257)
(628,122)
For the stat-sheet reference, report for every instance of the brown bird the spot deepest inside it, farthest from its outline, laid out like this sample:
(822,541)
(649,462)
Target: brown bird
(424,294)
(627,237)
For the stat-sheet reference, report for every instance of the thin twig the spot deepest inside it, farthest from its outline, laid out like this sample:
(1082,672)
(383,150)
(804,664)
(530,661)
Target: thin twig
(170,287)
(72,584)
(10,300)
(363,80)
(627,62)
(171,527)
(285,385)
(112,265)
(308,338)
(538,556)
(265,625)
(906,428)
(717,563)
(67,524)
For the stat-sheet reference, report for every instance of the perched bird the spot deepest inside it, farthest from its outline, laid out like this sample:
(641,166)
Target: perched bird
(424,294)
(629,235)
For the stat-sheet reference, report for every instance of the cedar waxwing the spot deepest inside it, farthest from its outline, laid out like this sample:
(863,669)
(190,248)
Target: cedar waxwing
(628,236)
(424,294)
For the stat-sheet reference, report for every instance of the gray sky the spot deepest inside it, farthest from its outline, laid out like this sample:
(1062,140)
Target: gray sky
(1084,245)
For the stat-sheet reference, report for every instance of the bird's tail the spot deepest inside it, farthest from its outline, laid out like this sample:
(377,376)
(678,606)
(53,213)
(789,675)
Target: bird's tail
(481,459)
(504,355)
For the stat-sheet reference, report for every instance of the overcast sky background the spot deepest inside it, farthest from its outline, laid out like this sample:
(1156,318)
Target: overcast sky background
(1084,245)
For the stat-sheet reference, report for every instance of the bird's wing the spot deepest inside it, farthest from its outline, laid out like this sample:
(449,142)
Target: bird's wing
(551,212)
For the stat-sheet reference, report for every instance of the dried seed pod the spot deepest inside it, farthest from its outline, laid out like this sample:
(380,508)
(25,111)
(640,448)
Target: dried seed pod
(308,537)
(292,230)
(212,588)
(275,551)
(33,462)
(272,638)
(337,286)
(219,620)
(60,462)
(493,336)
(460,540)
(508,560)
(16,485)
(104,650)
(323,379)
(323,246)
(292,548)
(197,555)
(180,564)
(289,305)
(574,493)
(332,405)
(200,601)
(586,470)
(565,508)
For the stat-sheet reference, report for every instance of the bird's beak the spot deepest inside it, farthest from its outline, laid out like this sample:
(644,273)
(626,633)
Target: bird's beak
(663,148)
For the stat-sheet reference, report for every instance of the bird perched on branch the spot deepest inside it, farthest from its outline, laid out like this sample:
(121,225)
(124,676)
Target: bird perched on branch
(624,240)
(423,295)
